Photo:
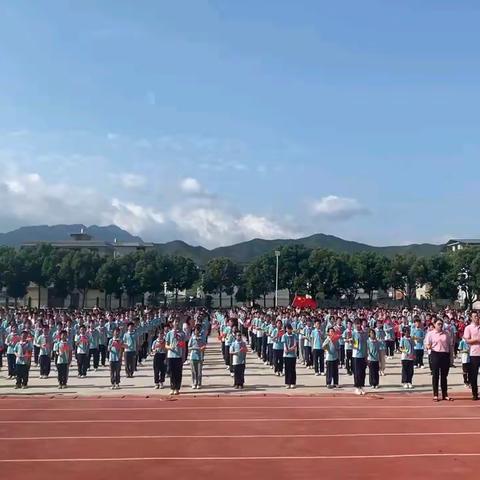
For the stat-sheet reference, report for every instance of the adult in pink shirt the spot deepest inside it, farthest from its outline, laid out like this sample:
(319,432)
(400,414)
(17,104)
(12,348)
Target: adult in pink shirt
(439,342)
(472,336)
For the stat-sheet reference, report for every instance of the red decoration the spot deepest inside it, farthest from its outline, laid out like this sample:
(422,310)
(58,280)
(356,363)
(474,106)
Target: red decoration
(304,301)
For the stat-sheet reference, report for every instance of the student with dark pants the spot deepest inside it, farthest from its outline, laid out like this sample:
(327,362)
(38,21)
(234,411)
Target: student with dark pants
(130,345)
(23,354)
(238,350)
(331,347)
(439,343)
(82,343)
(115,351)
(290,357)
(277,336)
(318,353)
(175,341)
(359,355)
(159,352)
(373,359)
(11,341)
(407,349)
(347,337)
(472,336)
(63,352)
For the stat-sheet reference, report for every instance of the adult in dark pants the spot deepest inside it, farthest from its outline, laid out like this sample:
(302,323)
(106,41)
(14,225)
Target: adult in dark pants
(439,343)
(175,343)
(359,356)
(472,336)
(290,342)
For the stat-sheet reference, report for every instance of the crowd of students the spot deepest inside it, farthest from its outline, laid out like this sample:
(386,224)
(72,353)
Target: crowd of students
(324,341)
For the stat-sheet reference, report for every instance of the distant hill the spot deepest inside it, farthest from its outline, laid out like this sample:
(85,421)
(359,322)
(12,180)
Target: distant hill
(62,232)
(243,252)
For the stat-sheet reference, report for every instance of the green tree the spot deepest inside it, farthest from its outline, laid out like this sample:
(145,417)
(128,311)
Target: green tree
(466,269)
(322,274)
(129,280)
(220,274)
(85,266)
(293,268)
(406,275)
(372,272)
(182,275)
(109,280)
(259,278)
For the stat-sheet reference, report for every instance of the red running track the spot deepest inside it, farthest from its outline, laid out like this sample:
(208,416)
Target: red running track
(391,437)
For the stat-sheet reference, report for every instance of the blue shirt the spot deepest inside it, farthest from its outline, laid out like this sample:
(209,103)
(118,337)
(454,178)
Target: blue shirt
(194,346)
(289,341)
(331,350)
(359,344)
(176,339)
(317,339)
(373,349)
(418,335)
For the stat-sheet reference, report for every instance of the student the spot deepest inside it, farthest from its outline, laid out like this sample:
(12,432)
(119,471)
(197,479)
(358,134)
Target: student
(175,344)
(347,336)
(2,345)
(389,338)
(439,342)
(373,358)
(93,346)
(464,349)
(277,335)
(407,349)
(318,351)
(471,335)
(23,355)
(196,346)
(331,348)
(290,357)
(270,330)
(82,348)
(115,352)
(102,341)
(307,344)
(63,354)
(159,352)
(238,350)
(359,356)
(11,341)
(129,341)
(45,352)
(418,336)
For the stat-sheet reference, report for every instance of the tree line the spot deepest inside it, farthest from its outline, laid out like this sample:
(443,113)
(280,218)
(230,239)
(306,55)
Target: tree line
(317,272)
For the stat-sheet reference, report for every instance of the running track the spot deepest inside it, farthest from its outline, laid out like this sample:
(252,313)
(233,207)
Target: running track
(239,437)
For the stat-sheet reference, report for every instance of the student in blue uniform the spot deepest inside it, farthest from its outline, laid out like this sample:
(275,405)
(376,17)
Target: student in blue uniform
(290,357)
(115,353)
(44,343)
(418,336)
(23,355)
(277,335)
(238,350)
(331,348)
(196,347)
(11,341)
(175,343)
(347,337)
(82,343)
(93,345)
(63,355)
(359,356)
(464,349)
(407,349)
(307,344)
(130,347)
(318,352)
(373,358)
(159,352)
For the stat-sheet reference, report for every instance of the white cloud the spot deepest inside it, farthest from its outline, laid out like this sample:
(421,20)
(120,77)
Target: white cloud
(261,227)
(190,185)
(338,208)
(134,218)
(130,180)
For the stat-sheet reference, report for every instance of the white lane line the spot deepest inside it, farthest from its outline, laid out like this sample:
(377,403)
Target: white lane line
(243,420)
(321,435)
(259,407)
(240,458)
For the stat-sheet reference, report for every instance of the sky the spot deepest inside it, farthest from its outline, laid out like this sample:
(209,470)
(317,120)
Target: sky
(219,121)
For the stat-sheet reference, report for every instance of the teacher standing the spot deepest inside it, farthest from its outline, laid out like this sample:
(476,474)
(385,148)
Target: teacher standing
(438,341)
(472,336)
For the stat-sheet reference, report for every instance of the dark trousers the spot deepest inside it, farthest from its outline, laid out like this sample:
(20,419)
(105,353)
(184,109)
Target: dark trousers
(36,354)
(22,375)
(45,364)
(62,373)
(102,350)
(466,373)
(159,368)
(239,375)
(278,361)
(130,358)
(264,348)
(11,359)
(318,360)
(290,370)
(390,347)
(342,355)
(473,376)
(440,369)
(419,358)
(115,368)
(407,371)
(176,365)
(373,373)
(93,352)
(348,360)
(332,372)
(253,341)
(82,363)
(308,356)
(359,372)
(270,353)
(1,359)
(259,346)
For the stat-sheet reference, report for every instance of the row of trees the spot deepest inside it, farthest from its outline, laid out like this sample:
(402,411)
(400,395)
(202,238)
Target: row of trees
(317,272)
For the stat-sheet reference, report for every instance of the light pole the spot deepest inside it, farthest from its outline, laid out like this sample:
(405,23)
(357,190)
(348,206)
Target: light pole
(277,254)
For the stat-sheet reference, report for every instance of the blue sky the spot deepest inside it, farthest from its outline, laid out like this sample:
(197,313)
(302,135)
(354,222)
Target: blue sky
(219,121)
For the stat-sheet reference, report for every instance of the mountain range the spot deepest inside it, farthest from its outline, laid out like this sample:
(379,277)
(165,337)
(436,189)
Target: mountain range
(242,252)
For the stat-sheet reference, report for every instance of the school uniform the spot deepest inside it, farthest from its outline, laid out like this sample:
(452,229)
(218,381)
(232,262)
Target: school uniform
(45,354)
(12,339)
(130,344)
(93,351)
(380,337)
(159,360)
(270,329)
(359,357)
(277,335)
(407,347)
(195,345)
(2,345)
(347,336)
(102,343)
(175,355)
(238,350)
(36,346)
(472,332)
(115,346)
(307,345)
(389,339)
(373,360)
(23,358)
(418,335)
(62,351)
(290,358)
(318,352)
(331,358)
(82,348)
(464,349)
